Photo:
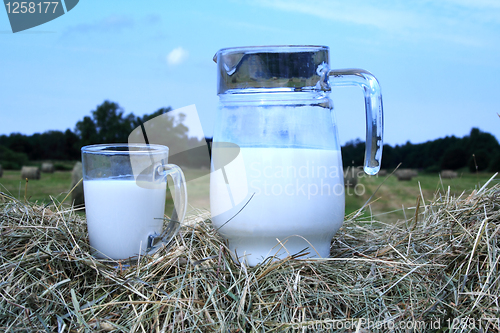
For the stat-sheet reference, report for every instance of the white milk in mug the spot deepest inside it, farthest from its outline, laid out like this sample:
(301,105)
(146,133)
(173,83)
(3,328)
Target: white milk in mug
(121,215)
(290,195)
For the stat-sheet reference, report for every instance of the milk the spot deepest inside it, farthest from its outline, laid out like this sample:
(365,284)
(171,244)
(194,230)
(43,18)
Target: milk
(121,215)
(294,195)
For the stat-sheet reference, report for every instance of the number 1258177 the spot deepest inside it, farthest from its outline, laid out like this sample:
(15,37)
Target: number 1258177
(31,7)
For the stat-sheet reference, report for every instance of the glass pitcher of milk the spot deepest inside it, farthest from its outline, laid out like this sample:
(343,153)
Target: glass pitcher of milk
(277,187)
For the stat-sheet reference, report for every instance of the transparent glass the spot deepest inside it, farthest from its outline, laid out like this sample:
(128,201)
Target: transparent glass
(125,191)
(276,185)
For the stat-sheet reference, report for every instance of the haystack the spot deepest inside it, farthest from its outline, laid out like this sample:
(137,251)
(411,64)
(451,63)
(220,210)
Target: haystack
(382,173)
(449,174)
(437,270)
(405,174)
(351,175)
(1,171)
(47,167)
(29,172)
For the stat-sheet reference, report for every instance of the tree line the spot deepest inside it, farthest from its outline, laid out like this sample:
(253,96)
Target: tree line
(108,123)
(478,151)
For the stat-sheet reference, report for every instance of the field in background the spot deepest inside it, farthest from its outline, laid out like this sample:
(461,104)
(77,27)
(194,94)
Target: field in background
(393,200)
(58,184)
(198,187)
(55,184)
(396,199)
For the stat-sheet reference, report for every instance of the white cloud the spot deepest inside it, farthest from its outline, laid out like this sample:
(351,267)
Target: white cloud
(177,56)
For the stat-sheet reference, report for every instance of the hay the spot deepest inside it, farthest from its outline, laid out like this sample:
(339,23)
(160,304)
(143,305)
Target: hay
(28,172)
(47,167)
(439,267)
(1,171)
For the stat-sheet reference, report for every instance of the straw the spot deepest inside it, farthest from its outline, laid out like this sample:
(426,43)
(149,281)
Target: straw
(438,270)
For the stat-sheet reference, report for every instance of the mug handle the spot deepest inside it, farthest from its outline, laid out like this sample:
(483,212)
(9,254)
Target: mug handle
(373,109)
(180,205)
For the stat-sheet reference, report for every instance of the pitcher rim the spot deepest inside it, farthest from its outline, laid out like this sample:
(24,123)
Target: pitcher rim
(277,48)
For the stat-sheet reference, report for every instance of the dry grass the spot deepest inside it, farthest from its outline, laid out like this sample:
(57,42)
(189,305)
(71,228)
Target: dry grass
(439,267)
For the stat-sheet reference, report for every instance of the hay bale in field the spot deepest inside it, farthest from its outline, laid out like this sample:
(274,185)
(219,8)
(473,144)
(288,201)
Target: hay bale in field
(1,170)
(404,174)
(77,195)
(351,175)
(382,172)
(32,173)
(449,174)
(47,167)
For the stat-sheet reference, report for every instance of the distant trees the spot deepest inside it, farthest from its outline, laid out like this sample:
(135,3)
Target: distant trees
(485,149)
(54,145)
(12,160)
(495,163)
(353,153)
(454,158)
(108,123)
(478,149)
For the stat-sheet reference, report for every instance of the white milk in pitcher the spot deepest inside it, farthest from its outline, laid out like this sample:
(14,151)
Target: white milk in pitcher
(121,215)
(293,195)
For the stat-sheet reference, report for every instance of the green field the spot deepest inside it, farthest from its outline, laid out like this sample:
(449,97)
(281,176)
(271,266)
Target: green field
(55,185)
(397,199)
(393,200)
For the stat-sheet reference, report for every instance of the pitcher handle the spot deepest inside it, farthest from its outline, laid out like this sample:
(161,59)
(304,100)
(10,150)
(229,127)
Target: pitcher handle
(373,108)
(180,206)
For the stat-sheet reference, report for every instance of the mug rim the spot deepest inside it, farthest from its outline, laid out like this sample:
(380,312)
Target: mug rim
(114,149)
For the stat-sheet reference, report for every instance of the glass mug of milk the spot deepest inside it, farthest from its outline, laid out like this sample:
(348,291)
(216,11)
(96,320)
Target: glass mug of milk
(125,191)
(277,187)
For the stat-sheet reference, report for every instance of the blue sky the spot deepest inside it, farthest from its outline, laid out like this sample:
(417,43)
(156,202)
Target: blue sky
(438,62)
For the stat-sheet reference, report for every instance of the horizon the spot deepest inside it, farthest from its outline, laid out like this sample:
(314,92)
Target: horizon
(436,62)
(361,140)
